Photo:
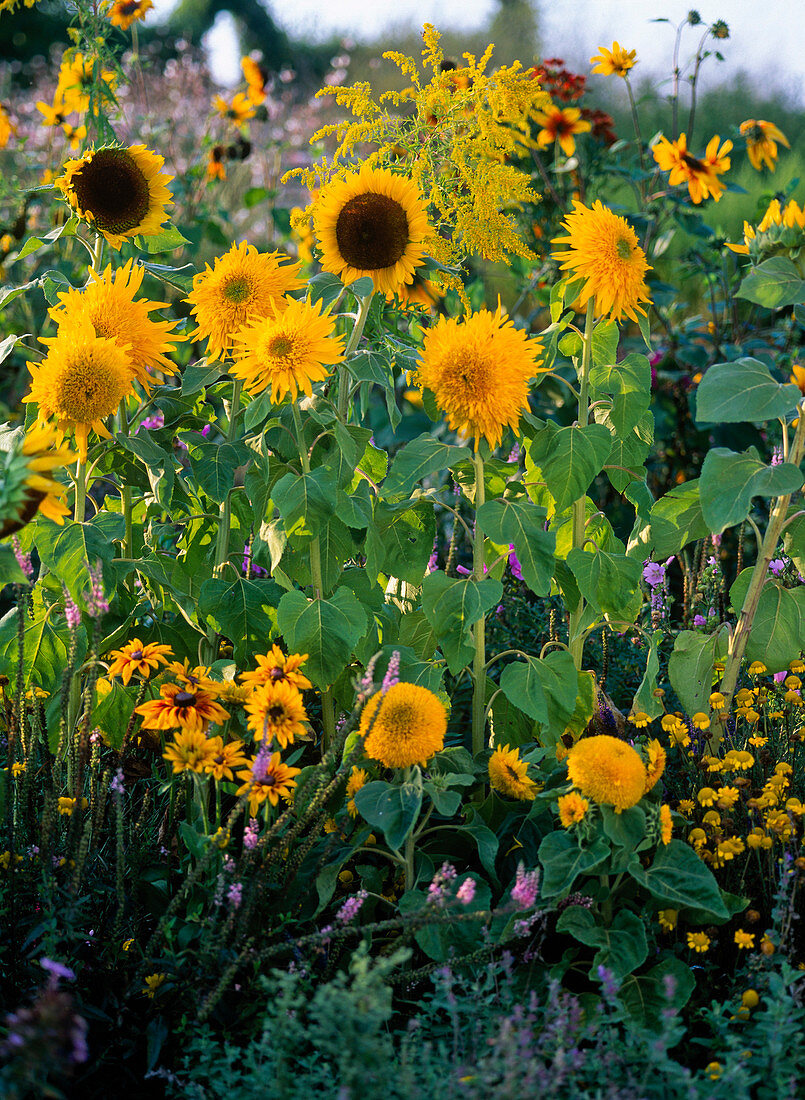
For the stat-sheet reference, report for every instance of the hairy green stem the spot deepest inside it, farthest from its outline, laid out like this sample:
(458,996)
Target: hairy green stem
(479,628)
(224,517)
(576,636)
(344,379)
(80,490)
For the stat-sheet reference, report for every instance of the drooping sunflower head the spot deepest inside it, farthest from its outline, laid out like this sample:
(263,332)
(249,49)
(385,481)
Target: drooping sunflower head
(358,778)
(508,775)
(372,223)
(109,304)
(81,381)
(572,808)
(26,487)
(603,250)
(408,728)
(240,287)
(656,763)
(125,12)
(255,77)
(287,351)
(478,369)
(761,142)
(607,770)
(121,191)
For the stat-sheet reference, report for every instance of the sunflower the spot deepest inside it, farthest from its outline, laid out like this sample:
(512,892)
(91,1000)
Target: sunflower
(560,124)
(605,253)
(701,176)
(256,79)
(75,82)
(242,286)
(277,666)
(108,304)
(607,770)
(289,350)
(357,779)
(617,60)
(136,656)
(125,12)
(26,486)
(479,369)
(74,134)
(408,728)
(656,764)
(225,759)
(7,128)
(81,381)
(508,775)
(276,711)
(121,191)
(274,780)
(178,707)
(53,115)
(190,751)
(761,142)
(572,808)
(372,223)
(239,110)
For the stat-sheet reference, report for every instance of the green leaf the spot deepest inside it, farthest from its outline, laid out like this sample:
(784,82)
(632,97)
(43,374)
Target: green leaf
(327,630)
(690,668)
(645,699)
(166,240)
(605,345)
(196,377)
(392,808)
(680,880)
(10,572)
(68,551)
(733,393)
(305,501)
(452,606)
(113,712)
(179,277)
(629,384)
(570,458)
(214,466)
(45,652)
(729,481)
(627,829)
(521,524)
(622,947)
(325,287)
(242,610)
(774,283)
(629,450)
(676,520)
(609,582)
(446,802)
(778,627)
(563,861)
(544,688)
(420,458)
(645,996)
(400,543)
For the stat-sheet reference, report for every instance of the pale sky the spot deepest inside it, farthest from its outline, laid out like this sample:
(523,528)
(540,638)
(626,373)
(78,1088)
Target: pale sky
(765,38)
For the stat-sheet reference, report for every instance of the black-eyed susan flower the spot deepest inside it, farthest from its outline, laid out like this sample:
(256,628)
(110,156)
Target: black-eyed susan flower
(607,770)
(508,774)
(701,175)
(189,751)
(179,708)
(560,124)
(761,142)
(617,61)
(80,382)
(275,666)
(267,778)
(603,250)
(744,940)
(372,223)
(408,725)
(237,111)
(241,286)
(26,486)
(572,808)
(479,369)
(194,677)
(287,351)
(122,192)
(225,758)
(140,657)
(125,12)
(109,303)
(276,711)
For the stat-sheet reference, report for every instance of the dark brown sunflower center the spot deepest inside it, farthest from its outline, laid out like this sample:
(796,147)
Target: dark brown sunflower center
(372,232)
(236,289)
(693,163)
(276,712)
(136,655)
(513,773)
(184,699)
(277,673)
(114,190)
(269,781)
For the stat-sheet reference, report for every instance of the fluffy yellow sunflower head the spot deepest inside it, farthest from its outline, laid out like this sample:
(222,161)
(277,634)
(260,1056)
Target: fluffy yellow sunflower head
(81,381)
(607,770)
(603,250)
(479,369)
(572,808)
(761,142)
(508,775)
(288,351)
(121,191)
(372,223)
(26,487)
(240,287)
(110,305)
(408,728)
(358,778)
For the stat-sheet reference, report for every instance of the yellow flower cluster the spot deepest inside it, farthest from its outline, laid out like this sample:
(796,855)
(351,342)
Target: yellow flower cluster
(780,230)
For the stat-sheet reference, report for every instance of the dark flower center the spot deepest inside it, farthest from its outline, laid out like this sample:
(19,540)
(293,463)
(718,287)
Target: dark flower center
(184,699)
(276,712)
(269,781)
(372,232)
(693,163)
(277,673)
(236,289)
(112,188)
(136,655)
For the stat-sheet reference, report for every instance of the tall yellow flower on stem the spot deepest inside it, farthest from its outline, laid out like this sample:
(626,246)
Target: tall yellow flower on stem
(240,287)
(140,657)
(701,175)
(239,110)
(372,223)
(603,250)
(122,192)
(617,61)
(287,351)
(479,370)
(560,124)
(275,666)
(81,381)
(761,142)
(125,12)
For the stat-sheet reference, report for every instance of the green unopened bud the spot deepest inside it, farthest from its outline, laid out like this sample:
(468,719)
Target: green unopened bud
(694,18)
(720,29)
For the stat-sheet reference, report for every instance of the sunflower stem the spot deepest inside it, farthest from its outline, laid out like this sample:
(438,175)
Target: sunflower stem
(97,253)
(327,705)
(576,635)
(410,843)
(344,380)
(222,540)
(638,137)
(479,627)
(80,490)
(128,540)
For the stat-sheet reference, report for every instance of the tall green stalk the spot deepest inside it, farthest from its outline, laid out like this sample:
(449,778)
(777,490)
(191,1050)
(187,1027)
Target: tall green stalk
(576,637)
(80,490)
(344,379)
(224,525)
(479,628)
